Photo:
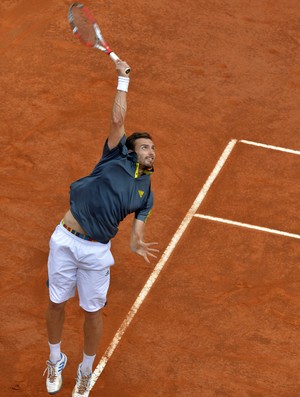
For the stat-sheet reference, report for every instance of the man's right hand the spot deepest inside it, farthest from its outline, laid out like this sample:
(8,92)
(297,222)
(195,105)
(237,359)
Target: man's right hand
(121,67)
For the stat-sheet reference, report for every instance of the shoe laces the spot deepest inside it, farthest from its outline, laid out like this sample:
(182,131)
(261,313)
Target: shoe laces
(52,374)
(83,384)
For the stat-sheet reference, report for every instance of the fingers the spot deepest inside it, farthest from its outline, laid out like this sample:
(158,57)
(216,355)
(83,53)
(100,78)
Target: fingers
(153,256)
(151,249)
(122,67)
(148,253)
(144,250)
(149,245)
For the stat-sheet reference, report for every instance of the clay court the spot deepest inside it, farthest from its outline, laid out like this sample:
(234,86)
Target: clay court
(217,84)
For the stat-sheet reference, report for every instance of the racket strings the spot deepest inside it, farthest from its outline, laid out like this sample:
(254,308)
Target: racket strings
(84,27)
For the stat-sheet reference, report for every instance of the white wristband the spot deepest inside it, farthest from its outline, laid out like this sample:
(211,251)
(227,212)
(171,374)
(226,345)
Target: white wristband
(123,83)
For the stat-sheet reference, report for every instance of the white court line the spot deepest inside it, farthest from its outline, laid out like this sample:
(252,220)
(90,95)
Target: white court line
(161,263)
(246,225)
(281,149)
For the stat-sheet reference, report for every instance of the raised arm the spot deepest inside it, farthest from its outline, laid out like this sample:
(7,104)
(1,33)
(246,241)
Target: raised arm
(117,129)
(137,243)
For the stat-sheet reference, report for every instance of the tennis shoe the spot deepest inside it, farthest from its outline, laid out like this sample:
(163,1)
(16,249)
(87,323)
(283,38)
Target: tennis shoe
(83,384)
(54,379)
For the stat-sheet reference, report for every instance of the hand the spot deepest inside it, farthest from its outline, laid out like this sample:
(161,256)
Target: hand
(121,66)
(144,250)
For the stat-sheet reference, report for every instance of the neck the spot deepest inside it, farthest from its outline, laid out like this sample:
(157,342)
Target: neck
(141,169)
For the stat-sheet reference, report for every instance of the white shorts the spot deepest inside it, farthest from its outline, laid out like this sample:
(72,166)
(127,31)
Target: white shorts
(74,262)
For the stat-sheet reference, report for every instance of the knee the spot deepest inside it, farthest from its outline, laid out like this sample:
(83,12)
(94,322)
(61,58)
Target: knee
(92,317)
(56,307)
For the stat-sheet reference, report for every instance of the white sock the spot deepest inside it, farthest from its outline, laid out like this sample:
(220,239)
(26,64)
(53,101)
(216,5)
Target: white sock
(54,352)
(86,367)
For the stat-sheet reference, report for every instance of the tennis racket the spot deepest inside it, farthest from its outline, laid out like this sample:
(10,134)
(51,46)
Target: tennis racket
(85,27)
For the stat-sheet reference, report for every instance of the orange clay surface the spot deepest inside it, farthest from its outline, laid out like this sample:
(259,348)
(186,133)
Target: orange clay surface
(222,319)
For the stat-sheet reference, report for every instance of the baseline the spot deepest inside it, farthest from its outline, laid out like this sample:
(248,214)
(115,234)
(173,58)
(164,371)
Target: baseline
(263,145)
(247,225)
(161,263)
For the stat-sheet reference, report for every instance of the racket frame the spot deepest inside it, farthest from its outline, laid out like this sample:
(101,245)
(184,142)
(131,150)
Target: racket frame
(101,43)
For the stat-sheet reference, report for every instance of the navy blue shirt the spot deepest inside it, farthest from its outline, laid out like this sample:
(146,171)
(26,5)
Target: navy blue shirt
(101,200)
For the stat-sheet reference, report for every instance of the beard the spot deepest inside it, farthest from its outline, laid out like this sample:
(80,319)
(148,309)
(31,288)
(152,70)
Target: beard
(146,163)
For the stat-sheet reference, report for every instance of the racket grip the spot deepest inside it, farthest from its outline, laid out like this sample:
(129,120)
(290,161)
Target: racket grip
(115,58)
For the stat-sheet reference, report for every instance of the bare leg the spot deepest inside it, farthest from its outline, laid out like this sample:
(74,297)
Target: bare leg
(92,331)
(55,317)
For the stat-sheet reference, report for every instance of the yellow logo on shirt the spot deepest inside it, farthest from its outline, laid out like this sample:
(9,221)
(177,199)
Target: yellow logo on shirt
(141,193)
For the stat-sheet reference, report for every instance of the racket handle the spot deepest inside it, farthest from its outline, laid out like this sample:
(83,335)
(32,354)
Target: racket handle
(115,58)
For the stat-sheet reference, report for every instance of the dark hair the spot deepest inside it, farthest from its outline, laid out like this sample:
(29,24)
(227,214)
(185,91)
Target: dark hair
(130,141)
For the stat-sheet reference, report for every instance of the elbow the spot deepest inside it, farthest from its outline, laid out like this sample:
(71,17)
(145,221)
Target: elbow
(117,122)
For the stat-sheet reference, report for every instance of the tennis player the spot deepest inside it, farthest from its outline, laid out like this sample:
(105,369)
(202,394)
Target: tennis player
(80,255)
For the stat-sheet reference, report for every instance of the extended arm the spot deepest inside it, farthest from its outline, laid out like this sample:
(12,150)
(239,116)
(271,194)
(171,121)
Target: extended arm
(117,129)
(137,243)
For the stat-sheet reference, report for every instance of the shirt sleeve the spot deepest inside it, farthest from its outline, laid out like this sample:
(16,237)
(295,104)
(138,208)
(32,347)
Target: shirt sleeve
(144,213)
(118,150)
(110,154)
